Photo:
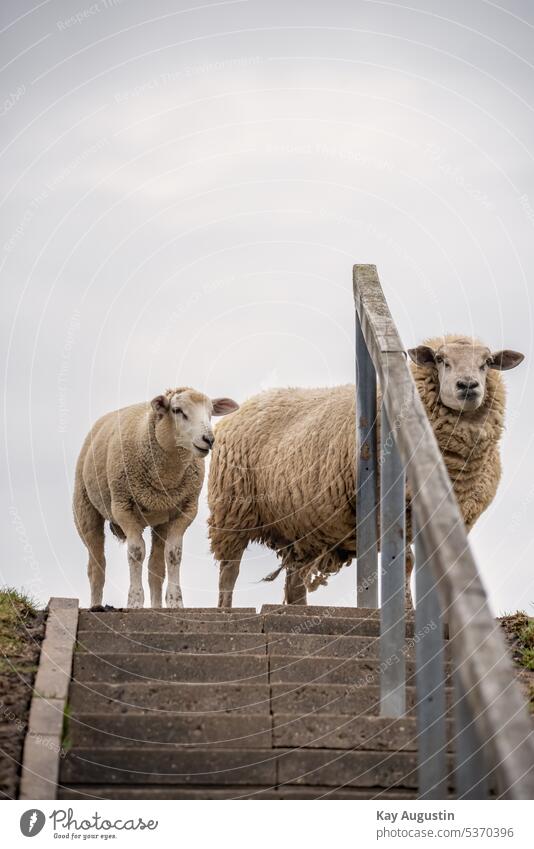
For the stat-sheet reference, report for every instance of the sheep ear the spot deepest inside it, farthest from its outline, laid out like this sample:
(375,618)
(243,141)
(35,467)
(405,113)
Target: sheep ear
(504,360)
(423,355)
(160,405)
(222,406)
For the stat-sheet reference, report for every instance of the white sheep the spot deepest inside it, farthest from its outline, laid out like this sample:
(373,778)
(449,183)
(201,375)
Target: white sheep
(283,470)
(143,466)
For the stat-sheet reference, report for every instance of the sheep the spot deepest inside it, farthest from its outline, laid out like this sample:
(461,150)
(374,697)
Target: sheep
(143,466)
(283,470)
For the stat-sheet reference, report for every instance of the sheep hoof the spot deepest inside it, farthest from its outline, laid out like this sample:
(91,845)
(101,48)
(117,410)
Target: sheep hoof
(135,601)
(174,600)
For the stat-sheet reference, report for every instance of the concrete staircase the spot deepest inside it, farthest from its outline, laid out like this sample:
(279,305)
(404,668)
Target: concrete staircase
(204,704)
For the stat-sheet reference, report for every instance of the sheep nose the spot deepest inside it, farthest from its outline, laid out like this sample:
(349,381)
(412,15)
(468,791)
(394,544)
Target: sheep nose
(209,440)
(467,385)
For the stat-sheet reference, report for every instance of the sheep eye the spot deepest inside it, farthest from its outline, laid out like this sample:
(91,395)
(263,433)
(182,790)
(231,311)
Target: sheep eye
(439,359)
(179,412)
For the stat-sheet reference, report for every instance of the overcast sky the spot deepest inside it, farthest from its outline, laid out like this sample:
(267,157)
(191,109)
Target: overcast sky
(185,188)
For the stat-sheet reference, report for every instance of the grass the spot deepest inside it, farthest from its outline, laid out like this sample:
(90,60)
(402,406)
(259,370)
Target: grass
(521,628)
(16,610)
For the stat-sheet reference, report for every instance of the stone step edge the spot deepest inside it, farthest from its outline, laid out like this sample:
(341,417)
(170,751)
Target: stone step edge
(271,724)
(230,791)
(269,636)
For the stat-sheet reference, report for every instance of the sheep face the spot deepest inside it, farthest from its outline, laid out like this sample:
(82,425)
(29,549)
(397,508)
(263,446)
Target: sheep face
(462,366)
(183,419)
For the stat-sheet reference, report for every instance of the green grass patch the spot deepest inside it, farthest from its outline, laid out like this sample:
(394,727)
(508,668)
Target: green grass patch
(521,628)
(17,609)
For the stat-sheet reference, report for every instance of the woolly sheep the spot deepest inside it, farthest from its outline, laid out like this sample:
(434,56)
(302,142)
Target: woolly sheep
(143,466)
(283,470)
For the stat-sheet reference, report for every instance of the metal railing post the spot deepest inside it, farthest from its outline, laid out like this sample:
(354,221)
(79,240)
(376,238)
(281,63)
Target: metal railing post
(366,477)
(393,551)
(471,779)
(430,678)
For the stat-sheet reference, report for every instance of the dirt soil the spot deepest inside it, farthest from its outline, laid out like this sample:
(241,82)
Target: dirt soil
(21,634)
(519,632)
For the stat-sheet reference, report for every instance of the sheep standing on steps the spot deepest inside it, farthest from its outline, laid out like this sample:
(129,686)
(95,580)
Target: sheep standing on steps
(143,466)
(283,470)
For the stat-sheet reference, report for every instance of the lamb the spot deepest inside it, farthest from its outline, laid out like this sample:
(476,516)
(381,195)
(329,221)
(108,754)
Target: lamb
(143,466)
(283,470)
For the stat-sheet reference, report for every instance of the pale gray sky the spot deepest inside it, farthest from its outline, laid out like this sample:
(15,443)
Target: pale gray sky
(186,186)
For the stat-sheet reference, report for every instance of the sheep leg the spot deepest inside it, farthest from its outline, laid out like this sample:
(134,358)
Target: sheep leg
(156,567)
(228,572)
(295,589)
(133,531)
(90,526)
(173,559)
(136,557)
(96,568)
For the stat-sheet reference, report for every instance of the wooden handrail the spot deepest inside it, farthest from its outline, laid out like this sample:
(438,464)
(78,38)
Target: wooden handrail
(480,658)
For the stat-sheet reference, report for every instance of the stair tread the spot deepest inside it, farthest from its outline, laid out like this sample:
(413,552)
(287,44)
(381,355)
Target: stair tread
(182,698)
(125,791)
(273,642)
(175,697)
(229,730)
(156,622)
(365,626)
(163,667)
(320,610)
(325,697)
(243,730)
(98,642)
(327,767)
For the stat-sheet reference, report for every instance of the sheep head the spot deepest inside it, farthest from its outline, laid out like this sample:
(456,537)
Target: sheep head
(461,365)
(183,419)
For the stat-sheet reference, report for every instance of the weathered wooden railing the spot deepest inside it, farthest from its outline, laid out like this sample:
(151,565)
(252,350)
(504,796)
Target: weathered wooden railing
(492,734)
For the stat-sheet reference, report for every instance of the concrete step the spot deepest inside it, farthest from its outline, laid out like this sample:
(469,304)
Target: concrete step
(300,645)
(231,667)
(163,791)
(330,731)
(202,610)
(347,699)
(154,668)
(177,622)
(332,645)
(322,767)
(360,732)
(354,626)
(322,645)
(142,731)
(178,699)
(334,768)
(322,610)
(168,765)
(166,611)
(256,731)
(191,622)
(98,642)
(331,670)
